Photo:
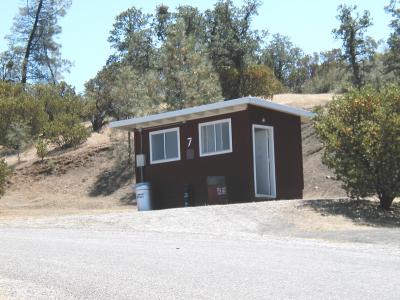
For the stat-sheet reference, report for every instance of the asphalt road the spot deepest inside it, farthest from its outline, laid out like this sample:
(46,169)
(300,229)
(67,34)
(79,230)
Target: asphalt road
(73,263)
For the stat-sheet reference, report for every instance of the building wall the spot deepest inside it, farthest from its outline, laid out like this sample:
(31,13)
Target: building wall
(288,150)
(168,179)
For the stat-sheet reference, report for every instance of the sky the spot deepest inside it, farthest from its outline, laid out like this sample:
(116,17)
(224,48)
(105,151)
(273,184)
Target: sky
(86,26)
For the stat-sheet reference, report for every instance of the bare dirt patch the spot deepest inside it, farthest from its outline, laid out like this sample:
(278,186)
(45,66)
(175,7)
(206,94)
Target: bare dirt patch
(319,181)
(305,101)
(59,165)
(67,182)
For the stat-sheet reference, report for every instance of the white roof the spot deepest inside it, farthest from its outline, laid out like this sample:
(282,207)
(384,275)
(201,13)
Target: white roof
(206,110)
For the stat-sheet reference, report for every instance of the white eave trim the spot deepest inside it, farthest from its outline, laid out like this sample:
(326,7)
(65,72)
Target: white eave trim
(207,110)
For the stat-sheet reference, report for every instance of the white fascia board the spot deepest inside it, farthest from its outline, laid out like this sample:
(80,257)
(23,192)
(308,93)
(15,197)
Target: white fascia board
(135,122)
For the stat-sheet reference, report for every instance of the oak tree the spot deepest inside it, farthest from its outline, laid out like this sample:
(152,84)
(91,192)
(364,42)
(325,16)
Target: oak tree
(33,36)
(360,132)
(357,47)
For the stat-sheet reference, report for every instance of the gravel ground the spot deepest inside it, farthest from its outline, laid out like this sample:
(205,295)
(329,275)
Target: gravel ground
(279,250)
(86,264)
(298,218)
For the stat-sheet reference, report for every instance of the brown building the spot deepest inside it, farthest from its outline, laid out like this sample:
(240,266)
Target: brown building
(239,150)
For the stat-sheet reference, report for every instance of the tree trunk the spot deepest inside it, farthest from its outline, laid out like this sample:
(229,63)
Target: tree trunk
(385,201)
(53,77)
(97,122)
(353,60)
(29,45)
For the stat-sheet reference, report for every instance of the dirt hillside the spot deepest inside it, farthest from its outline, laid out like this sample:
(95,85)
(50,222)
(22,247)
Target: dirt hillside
(88,177)
(318,179)
(305,101)
(91,177)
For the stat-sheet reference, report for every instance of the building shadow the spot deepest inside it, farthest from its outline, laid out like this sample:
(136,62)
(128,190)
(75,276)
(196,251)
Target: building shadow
(363,212)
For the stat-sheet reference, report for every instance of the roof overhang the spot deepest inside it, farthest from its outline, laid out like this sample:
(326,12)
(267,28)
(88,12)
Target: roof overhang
(208,110)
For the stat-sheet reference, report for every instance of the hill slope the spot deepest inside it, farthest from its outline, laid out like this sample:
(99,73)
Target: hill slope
(84,178)
(92,177)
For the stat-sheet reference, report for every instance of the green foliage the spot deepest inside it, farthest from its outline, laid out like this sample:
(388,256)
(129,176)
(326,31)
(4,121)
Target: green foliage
(232,44)
(357,48)
(361,135)
(229,78)
(41,148)
(66,131)
(99,101)
(17,106)
(255,80)
(26,113)
(10,64)
(17,137)
(259,80)
(279,56)
(57,98)
(134,94)
(4,173)
(392,59)
(175,59)
(36,55)
(121,148)
(329,75)
(188,77)
(132,38)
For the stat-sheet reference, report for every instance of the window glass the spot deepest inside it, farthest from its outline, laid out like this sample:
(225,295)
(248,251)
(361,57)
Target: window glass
(218,137)
(215,137)
(204,138)
(157,146)
(225,136)
(210,139)
(171,144)
(164,145)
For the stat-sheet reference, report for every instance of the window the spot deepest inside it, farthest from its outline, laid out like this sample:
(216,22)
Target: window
(164,146)
(215,137)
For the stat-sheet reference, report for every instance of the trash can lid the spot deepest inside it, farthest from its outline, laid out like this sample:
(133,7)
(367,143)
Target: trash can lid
(140,184)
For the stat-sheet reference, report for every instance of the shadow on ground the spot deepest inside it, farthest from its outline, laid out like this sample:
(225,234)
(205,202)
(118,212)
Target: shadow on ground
(129,199)
(363,212)
(113,179)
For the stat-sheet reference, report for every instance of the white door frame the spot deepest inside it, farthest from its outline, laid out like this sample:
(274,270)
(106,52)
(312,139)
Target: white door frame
(271,159)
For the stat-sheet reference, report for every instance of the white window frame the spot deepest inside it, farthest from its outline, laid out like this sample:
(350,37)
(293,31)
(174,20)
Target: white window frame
(152,162)
(214,123)
(272,165)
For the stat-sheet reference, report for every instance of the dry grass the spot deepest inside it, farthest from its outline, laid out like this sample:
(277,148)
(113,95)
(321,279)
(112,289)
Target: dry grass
(305,101)
(65,181)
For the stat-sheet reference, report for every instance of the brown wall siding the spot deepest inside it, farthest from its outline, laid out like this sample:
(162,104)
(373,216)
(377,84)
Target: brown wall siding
(168,179)
(288,150)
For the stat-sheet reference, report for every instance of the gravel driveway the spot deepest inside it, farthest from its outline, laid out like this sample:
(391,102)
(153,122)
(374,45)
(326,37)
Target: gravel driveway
(227,252)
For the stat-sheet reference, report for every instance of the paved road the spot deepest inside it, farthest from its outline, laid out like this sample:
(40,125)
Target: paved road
(73,263)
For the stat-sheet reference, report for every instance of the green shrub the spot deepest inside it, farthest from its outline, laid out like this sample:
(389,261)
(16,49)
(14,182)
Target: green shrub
(361,135)
(66,131)
(41,148)
(17,137)
(4,173)
(16,106)
(58,99)
(259,80)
